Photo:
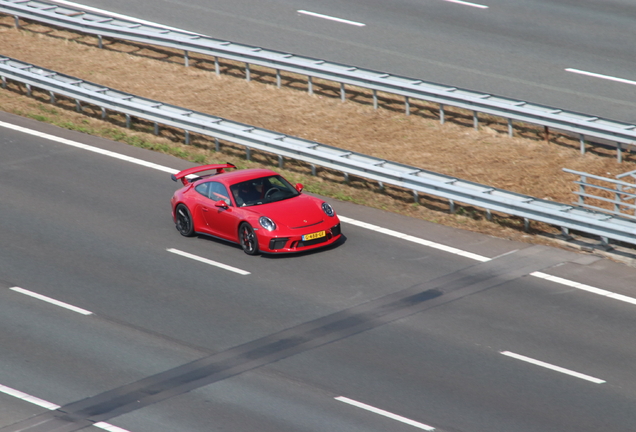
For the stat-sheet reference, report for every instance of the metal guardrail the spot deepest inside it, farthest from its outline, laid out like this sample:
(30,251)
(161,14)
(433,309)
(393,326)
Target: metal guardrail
(620,195)
(350,163)
(583,125)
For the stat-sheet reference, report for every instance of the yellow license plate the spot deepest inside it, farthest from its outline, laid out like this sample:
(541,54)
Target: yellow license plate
(314,235)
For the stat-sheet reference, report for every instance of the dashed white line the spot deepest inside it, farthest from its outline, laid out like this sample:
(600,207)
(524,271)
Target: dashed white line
(208,261)
(413,239)
(51,406)
(553,367)
(385,413)
(465,3)
(601,76)
(52,301)
(331,18)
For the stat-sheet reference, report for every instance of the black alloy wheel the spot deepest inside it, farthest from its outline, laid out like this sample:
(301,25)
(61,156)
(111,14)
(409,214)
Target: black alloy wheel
(247,239)
(184,221)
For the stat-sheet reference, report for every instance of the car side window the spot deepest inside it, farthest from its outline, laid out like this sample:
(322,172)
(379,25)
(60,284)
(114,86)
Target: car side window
(218,192)
(203,188)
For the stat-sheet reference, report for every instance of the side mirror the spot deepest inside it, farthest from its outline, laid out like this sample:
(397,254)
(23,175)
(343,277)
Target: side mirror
(220,203)
(299,187)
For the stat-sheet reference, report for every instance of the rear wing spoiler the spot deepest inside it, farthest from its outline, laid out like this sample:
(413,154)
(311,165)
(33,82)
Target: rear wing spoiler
(181,175)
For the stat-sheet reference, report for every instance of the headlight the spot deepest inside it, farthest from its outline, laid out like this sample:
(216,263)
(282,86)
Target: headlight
(267,223)
(327,209)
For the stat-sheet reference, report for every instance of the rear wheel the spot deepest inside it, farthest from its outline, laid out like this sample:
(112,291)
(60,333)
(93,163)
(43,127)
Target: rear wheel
(247,239)
(184,221)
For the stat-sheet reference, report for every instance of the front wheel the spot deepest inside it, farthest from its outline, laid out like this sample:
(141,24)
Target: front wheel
(184,221)
(247,239)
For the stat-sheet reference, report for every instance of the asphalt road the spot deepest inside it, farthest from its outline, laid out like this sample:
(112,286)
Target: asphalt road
(434,335)
(518,49)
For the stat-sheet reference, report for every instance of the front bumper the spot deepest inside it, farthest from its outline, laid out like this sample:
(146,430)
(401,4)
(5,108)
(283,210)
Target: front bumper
(295,243)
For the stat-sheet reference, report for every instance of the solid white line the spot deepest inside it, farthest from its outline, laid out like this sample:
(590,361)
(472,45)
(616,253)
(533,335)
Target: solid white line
(584,287)
(52,301)
(207,261)
(552,367)
(385,413)
(327,17)
(116,15)
(51,406)
(480,6)
(413,239)
(89,148)
(596,75)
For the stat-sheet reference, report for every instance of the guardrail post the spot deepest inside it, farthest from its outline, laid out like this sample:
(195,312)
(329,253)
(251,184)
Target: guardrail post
(451,204)
(510,130)
(52,97)
(619,152)
(346,177)
(526,224)
(247,71)
(104,114)
(28,87)
(381,186)
(278,78)
(343,96)
(546,133)
(217,145)
(375,99)
(4,82)
(310,85)
(488,215)
(217,67)
(128,121)
(99,42)
(582,190)
(187,137)
(416,197)
(281,162)
(582,143)
(475,120)
(16,19)
(156,128)
(565,232)
(407,106)
(441,113)
(248,153)
(78,105)
(313,169)
(186,59)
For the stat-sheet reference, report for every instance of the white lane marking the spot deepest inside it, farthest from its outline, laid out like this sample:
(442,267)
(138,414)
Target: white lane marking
(26,397)
(413,239)
(116,15)
(601,76)
(464,3)
(208,261)
(385,413)
(327,17)
(552,367)
(584,287)
(89,148)
(51,406)
(52,301)
(109,427)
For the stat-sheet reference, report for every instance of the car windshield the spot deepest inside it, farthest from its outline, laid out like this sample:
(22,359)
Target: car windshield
(262,190)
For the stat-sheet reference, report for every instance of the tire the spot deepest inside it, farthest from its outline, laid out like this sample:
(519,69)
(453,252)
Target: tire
(247,239)
(184,221)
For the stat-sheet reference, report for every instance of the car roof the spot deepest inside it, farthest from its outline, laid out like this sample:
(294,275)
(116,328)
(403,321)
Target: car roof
(238,176)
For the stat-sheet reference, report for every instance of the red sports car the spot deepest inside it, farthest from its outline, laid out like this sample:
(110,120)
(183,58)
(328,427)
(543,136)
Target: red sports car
(256,208)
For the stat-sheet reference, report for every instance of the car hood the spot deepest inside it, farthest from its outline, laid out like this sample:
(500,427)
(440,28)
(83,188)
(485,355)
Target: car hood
(297,212)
